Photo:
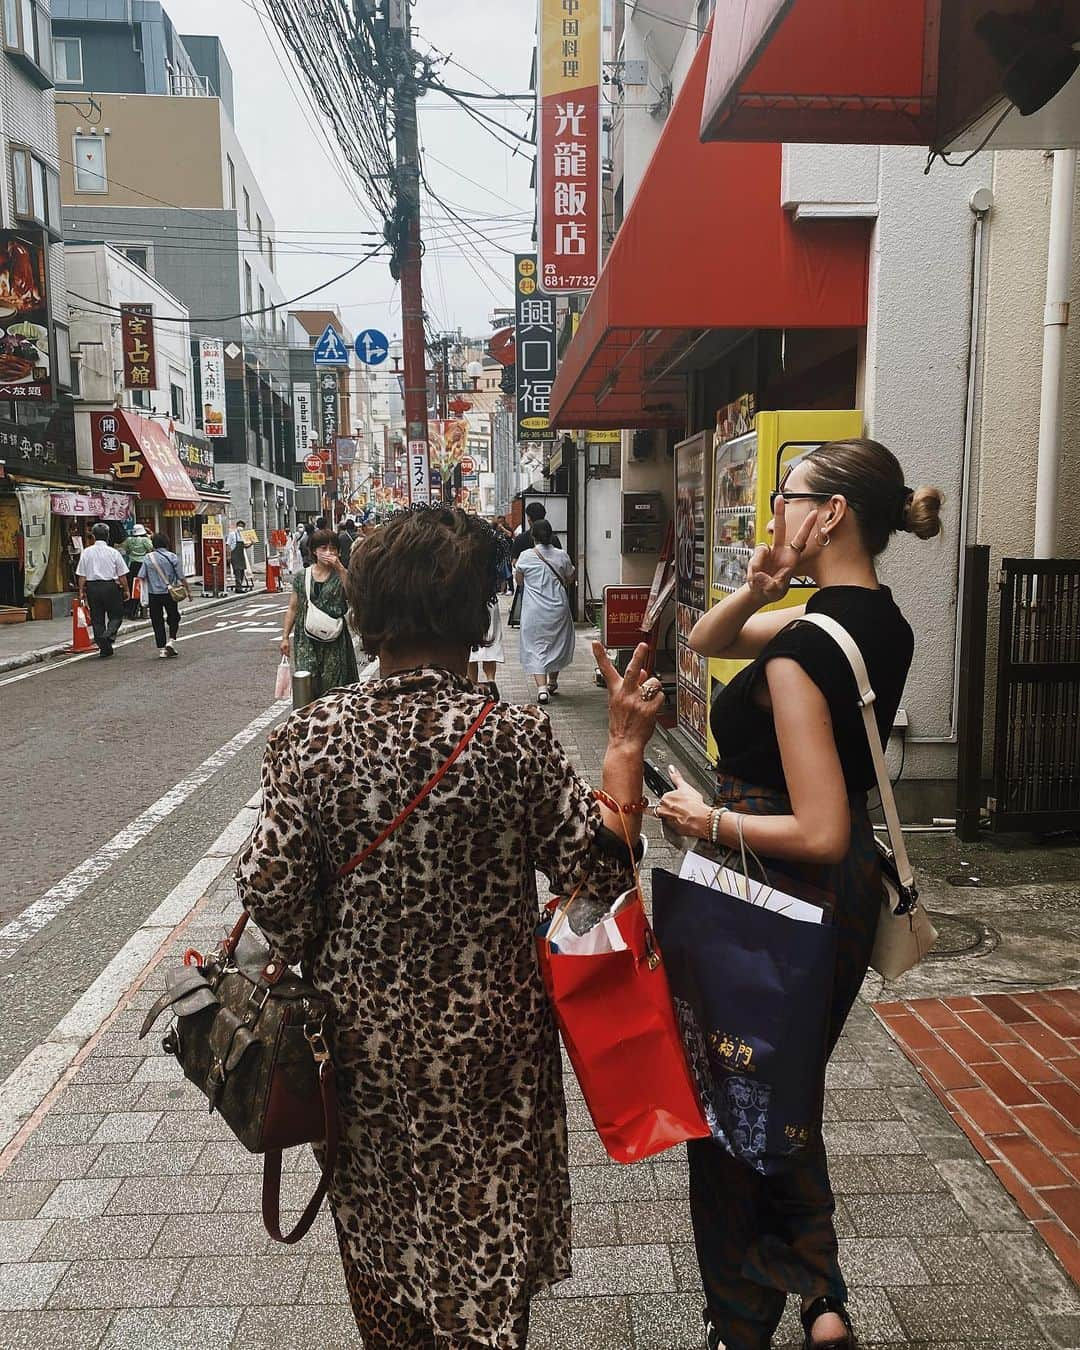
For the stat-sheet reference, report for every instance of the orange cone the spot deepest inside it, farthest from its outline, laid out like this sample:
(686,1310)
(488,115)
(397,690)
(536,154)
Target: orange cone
(81,641)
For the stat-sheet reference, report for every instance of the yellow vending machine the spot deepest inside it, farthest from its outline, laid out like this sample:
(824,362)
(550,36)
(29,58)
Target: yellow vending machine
(750,454)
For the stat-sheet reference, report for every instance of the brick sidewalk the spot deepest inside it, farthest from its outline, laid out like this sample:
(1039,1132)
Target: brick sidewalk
(130,1217)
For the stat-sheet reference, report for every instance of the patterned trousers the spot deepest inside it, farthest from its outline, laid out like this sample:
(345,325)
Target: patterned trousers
(759,1238)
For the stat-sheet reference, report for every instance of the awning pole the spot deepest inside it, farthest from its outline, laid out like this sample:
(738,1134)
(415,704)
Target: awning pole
(1055,331)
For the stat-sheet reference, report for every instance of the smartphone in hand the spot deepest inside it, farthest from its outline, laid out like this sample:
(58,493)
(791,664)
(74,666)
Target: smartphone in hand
(657,781)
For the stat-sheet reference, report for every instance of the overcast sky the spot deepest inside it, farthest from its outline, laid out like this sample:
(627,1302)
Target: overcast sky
(313,211)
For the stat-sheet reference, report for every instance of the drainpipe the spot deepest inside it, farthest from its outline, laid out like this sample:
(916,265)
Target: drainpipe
(1055,331)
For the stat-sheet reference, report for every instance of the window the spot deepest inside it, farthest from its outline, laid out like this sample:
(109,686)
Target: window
(67,60)
(262,307)
(141,399)
(28,36)
(37,190)
(89,160)
(249,289)
(704,14)
(258,230)
(270,252)
(176,393)
(64,372)
(138,253)
(232,182)
(247,209)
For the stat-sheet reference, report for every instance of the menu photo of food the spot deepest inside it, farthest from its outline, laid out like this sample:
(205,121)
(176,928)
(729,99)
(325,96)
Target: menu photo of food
(24,318)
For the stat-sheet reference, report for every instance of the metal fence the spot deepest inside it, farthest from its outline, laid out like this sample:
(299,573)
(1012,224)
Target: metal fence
(1036,765)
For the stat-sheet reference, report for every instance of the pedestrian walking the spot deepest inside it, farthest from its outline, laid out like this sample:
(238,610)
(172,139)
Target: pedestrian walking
(451,1193)
(346,537)
(544,572)
(491,653)
(316,620)
(506,569)
(103,584)
(793,775)
(237,551)
(161,575)
(135,548)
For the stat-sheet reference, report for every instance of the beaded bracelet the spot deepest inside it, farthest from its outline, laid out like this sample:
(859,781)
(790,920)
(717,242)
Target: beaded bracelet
(714,824)
(626,808)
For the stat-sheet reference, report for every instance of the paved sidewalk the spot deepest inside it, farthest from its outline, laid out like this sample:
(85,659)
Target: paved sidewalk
(129,1218)
(27,644)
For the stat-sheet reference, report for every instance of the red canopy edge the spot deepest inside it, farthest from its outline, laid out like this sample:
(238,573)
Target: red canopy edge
(705,245)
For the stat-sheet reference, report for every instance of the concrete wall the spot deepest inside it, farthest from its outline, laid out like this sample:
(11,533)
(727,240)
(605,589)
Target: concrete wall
(603,512)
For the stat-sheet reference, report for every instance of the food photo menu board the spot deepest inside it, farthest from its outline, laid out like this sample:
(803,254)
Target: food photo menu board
(25,368)
(691,555)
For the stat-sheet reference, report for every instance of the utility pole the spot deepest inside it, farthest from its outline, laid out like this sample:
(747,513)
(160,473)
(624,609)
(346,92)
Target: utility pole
(408,240)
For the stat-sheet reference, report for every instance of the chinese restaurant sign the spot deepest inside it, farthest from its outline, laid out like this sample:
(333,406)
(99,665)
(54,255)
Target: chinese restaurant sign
(25,370)
(196,457)
(212,379)
(137,341)
(535,354)
(568,158)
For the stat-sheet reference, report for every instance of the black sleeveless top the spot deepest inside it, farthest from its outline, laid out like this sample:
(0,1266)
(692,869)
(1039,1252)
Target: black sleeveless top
(744,731)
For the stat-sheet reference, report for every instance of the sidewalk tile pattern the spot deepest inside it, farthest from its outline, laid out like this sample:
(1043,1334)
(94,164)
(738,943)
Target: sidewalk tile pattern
(1007,1067)
(130,1218)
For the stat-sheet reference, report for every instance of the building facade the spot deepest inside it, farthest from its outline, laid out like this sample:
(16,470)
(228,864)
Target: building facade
(198,223)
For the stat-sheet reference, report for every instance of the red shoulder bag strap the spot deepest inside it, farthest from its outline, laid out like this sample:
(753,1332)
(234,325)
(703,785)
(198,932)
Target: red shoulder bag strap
(424,792)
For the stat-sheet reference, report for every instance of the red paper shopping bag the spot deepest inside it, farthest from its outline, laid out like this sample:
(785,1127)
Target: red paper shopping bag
(615,1013)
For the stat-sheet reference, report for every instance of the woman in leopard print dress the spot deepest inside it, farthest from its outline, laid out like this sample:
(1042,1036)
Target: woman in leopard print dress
(451,1195)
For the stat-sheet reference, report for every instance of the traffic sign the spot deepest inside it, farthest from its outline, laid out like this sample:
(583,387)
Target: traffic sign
(313,463)
(372,347)
(330,350)
(468,464)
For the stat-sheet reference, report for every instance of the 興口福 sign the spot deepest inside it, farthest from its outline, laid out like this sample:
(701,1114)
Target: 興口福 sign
(303,422)
(568,162)
(212,380)
(419,473)
(328,408)
(137,344)
(25,362)
(535,352)
(624,615)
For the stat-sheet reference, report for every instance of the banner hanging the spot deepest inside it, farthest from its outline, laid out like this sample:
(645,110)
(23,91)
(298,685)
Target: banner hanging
(212,378)
(535,352)
(137,342)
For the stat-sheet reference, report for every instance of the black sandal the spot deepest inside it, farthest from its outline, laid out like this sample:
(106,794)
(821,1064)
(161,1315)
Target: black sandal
(820,1306)
(712,1334)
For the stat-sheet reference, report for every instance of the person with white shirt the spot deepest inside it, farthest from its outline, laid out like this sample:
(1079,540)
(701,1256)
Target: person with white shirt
(103,583)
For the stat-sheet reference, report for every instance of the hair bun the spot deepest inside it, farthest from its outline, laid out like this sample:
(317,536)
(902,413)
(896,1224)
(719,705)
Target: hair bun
(922,513)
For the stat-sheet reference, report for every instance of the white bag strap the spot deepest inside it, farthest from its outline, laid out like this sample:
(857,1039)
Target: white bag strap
(850,648)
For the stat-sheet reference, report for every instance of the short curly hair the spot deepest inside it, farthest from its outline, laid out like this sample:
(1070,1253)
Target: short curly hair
(428,575)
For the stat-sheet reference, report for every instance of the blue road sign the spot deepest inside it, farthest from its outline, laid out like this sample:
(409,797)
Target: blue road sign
(330,350)
(372,347)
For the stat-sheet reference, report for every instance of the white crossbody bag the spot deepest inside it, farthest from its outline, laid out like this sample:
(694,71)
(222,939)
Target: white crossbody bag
(904,932)
(317,623)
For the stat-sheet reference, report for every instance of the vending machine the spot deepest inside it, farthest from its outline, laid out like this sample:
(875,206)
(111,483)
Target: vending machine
(750,455)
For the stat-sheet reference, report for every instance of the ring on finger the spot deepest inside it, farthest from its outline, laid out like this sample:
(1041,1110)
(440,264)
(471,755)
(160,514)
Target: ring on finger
(796,548)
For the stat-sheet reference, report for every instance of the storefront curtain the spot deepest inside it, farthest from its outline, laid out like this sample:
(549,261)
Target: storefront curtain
(36,514)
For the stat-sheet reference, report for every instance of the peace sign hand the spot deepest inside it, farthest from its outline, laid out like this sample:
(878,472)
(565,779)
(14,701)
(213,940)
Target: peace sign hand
(634,699)
(772,566)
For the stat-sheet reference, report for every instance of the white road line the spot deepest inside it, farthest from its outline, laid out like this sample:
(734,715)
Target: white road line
(57,898)
(27,1086)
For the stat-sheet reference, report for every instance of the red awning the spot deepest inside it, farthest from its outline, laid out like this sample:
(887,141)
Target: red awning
(705,245)
(139,454)
(889,72)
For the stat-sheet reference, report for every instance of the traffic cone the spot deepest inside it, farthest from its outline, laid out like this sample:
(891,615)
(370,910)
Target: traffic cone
(81,641)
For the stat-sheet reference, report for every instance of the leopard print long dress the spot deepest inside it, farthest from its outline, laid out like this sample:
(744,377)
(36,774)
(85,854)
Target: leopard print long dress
(451,1195)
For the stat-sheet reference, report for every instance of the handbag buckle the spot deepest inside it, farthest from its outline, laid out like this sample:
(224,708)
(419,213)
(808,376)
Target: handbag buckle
(258,999)
(317,1040)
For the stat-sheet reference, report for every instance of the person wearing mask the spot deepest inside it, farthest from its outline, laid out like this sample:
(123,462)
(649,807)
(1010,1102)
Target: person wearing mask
(451,1194)
(135,550)
(159,572)
(237,551)
(546,640)
(794,770)
(103,584)
(331,661)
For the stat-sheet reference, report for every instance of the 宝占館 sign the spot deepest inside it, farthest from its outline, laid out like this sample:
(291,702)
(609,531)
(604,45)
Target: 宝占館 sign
(137,343)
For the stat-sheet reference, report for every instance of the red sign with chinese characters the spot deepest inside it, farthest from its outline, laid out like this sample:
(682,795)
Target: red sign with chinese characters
(568,156)
(139,454)
(624,614)
(137,341)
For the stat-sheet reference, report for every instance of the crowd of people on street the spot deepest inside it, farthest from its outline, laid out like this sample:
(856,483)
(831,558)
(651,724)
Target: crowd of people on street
(450,1194)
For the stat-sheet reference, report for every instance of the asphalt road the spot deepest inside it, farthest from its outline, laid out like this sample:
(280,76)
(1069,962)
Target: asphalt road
(89,746)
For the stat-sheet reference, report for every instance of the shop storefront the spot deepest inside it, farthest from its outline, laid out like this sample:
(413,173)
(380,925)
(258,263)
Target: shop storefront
(196,454)
(138,453)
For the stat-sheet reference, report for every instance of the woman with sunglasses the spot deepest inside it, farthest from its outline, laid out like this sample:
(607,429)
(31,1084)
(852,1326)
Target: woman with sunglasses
(794,770)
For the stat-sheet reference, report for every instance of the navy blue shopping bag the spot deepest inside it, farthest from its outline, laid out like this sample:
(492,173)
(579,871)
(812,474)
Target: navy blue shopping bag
(752,990)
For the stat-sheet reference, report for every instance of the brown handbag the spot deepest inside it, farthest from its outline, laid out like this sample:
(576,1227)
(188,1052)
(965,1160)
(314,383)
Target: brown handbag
(252,1036)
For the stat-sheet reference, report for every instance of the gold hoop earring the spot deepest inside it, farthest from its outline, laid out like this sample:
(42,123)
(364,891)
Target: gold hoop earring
(823,539)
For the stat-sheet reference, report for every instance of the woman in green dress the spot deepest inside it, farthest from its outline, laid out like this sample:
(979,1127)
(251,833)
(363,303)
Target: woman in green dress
(331,663)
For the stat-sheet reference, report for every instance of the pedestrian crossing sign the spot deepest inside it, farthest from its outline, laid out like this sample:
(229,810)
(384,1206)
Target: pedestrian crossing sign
(330,350)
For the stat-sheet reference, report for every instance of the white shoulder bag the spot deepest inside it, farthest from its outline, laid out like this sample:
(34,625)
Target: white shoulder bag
(317,623)
(904,932)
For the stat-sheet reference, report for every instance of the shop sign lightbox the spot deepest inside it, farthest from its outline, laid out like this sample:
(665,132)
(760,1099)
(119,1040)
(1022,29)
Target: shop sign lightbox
(137,343)
(568,155)
(302,421)
(25,365)
(535,352)
(212,378)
